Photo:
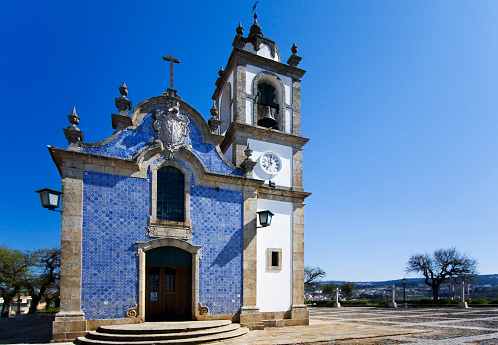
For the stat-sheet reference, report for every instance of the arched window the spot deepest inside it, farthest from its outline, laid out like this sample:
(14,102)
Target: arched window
(170,194)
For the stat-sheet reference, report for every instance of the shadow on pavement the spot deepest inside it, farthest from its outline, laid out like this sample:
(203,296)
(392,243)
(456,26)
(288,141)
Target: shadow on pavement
(26,329)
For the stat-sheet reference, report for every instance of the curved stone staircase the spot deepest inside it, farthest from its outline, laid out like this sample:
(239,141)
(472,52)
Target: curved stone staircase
(150,333)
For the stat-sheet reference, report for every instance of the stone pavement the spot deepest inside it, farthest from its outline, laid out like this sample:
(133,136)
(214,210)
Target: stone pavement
(374,326)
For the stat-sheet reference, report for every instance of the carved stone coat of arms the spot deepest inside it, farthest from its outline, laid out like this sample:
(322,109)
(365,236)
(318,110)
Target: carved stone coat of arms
(171,128)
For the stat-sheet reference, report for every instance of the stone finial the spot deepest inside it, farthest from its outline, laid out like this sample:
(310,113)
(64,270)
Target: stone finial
(294,59)
(123,104)
(294,48)
(214,122)
(73,134)
(255,28)
(248,151)
(248,164)
(73,119)
(239,30)
(221,72)
(123,90)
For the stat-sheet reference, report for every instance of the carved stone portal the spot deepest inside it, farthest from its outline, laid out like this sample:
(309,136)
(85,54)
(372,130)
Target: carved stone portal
(171,128)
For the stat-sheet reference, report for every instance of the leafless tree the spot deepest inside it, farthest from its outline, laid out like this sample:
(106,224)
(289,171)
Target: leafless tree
(443,264)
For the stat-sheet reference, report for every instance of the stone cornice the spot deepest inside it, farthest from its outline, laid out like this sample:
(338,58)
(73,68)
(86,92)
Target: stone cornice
(64,158)
(274,66)
(260,133)
(282,192)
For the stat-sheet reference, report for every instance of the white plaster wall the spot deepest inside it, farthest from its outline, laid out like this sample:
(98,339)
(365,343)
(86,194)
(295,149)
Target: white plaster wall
(274,288)
(264,51)
(249,111)
(228,154)
(284,177)
(252,71)
(288,120)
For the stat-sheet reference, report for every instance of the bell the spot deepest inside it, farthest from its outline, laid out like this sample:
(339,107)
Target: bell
(267,119)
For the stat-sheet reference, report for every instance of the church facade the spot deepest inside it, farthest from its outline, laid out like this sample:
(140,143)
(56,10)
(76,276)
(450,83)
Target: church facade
(165,219)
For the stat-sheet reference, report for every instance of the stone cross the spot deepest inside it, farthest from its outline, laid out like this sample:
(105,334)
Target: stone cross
(463,304)
(393,303)
(171,61)
(337,304)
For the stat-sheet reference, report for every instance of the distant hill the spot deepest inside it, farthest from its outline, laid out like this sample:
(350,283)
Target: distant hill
(483,279)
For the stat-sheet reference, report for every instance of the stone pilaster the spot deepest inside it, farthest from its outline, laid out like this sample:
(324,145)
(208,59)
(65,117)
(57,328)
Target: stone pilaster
(296,107)
(250,315)
(69,322)
(240,94)
(297,169)
(299,312)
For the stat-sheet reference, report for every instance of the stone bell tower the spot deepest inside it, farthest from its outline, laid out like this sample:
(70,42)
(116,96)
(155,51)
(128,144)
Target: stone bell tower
(258,112)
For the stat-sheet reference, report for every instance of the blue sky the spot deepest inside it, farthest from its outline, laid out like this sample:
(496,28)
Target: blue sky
(399,100)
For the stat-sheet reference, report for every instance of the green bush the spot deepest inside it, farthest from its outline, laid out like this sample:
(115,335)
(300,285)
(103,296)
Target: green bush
(478,301)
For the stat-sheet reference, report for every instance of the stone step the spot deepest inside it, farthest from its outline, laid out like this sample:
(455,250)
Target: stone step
(151,333)
(98,335)
(163,327)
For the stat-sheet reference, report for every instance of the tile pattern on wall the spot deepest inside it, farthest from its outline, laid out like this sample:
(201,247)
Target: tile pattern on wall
(115,210)
(129,141)
(217,224)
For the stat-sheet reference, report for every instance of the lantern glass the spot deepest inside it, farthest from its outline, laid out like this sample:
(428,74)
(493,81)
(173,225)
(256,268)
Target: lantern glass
(265,218)
(404,281)
(49,198)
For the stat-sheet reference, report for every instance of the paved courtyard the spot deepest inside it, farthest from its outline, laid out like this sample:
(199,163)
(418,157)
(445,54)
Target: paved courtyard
(362,326)
(375,326)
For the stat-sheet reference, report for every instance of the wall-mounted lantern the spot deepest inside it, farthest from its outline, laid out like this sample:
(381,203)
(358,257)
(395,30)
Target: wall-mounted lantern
(265,218)
(50,198)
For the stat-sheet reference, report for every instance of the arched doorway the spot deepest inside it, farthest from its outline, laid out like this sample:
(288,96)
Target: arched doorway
(168,280)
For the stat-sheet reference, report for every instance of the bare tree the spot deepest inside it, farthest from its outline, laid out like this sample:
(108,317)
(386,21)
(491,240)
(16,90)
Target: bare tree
(443,264)
(312,276)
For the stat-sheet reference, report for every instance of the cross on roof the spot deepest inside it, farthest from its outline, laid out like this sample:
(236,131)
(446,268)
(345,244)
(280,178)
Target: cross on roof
(171,61)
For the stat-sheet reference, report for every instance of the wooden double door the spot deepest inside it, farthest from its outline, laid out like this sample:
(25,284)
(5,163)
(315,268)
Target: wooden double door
(168,284)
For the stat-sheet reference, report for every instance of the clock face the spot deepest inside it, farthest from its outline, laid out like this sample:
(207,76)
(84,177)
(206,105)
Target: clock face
(270,163)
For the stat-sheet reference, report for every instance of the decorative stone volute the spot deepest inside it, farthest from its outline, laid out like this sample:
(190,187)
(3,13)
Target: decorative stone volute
(73,134)
(171,127)
(214,122)
(294,59)
(122,103)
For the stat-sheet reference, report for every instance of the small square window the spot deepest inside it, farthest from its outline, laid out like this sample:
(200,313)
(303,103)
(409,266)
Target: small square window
(274,259)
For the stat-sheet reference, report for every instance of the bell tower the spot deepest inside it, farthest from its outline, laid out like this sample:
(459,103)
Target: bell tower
(259,101)
(257,110)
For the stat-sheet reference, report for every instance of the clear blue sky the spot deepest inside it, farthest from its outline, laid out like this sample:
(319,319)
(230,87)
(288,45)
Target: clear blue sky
(400,101)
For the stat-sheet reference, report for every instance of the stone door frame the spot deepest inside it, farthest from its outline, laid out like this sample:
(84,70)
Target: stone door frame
(144,247)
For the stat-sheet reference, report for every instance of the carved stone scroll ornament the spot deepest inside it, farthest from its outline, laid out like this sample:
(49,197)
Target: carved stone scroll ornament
(132,312)
(203,310)
(171,128)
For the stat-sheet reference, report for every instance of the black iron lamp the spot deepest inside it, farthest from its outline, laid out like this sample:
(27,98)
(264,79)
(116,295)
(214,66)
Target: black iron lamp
(265,218)
(50,198)
(404,281)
